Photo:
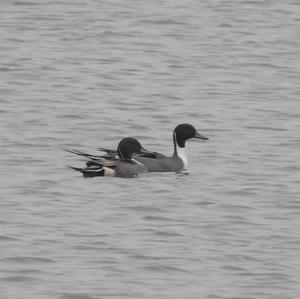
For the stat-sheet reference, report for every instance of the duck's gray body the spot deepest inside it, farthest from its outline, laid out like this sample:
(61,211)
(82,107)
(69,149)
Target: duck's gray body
(162,163)
(129,169)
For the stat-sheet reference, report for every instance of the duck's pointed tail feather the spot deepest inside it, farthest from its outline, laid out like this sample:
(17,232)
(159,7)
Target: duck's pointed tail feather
(91,157)
(110,153)
(107,150)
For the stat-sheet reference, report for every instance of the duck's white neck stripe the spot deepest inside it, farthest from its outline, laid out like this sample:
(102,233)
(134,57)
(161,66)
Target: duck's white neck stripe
(137,162)
(181,154)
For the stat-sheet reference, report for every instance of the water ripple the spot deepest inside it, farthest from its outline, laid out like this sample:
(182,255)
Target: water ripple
(84,74)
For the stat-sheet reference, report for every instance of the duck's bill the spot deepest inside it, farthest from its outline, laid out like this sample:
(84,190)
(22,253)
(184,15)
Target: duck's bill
(199,136)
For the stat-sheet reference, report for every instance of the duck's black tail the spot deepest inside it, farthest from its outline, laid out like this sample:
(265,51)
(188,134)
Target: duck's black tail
(90,172)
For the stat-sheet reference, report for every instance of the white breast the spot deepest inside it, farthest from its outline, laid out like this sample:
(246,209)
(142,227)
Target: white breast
(181,154)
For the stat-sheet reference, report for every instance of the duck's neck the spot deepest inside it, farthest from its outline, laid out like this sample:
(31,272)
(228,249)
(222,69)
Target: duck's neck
(180,152)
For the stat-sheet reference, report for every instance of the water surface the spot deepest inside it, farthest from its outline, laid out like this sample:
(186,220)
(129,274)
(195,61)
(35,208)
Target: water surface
(84,74)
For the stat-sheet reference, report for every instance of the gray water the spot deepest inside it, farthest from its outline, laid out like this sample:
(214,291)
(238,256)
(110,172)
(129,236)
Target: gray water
(84,74)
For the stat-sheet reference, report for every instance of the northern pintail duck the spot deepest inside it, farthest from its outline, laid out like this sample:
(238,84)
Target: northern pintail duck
(122,165)
(156,162)
(178,161)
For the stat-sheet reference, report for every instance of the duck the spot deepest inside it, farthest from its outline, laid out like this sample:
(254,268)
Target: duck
(123,164)
(178,162)
(157,162)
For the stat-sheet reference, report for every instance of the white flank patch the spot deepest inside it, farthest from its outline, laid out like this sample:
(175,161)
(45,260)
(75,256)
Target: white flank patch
(109,172)
(181,154)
